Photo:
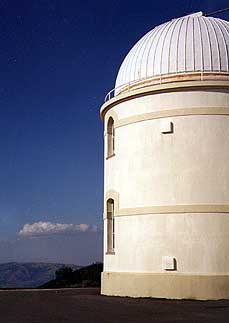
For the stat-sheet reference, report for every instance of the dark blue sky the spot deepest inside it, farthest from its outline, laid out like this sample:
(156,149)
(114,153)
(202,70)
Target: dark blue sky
(57,61)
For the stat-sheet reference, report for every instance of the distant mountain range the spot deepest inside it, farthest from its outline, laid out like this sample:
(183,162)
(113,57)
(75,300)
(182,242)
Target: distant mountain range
(28,275)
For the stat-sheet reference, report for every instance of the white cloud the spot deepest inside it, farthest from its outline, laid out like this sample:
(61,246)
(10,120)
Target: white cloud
(47,228)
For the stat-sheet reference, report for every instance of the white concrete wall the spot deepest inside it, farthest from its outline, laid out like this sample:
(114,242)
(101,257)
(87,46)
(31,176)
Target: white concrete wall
(187,167)
(198,242)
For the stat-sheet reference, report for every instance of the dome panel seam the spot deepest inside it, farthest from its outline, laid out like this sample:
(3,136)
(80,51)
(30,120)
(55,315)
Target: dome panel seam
(217,43)
(163,43)
(226,44)
(209,44)
(178,40)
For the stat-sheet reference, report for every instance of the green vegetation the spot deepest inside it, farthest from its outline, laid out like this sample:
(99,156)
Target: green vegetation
(89,276)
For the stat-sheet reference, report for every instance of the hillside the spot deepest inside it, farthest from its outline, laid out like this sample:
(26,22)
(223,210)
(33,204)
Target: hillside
(27,275)
(88,276)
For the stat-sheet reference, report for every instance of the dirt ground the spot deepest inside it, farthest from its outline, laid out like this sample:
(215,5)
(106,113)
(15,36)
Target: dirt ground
(88,306)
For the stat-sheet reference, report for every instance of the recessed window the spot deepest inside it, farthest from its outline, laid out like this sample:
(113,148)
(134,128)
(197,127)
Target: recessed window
(110,137)
(110,226)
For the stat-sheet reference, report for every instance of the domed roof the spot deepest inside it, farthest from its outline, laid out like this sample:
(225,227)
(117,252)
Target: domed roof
(193,43)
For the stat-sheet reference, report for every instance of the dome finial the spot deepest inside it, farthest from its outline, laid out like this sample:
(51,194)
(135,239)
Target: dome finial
(195,14)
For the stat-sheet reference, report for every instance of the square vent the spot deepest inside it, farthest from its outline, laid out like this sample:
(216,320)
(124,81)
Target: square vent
(169,263)
(166,127)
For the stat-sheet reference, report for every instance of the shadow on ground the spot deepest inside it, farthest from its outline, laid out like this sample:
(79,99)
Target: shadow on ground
(88,306)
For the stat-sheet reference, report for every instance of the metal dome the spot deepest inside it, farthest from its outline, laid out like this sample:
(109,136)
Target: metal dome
(192,43)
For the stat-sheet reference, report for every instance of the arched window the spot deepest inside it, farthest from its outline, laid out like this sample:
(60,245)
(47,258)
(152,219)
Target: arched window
(110,137)
(110,226)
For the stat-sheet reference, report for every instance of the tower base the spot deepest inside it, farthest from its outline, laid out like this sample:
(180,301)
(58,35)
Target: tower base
(166,285)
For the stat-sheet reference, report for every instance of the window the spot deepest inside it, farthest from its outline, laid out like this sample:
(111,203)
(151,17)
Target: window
(110,137)
(110,226)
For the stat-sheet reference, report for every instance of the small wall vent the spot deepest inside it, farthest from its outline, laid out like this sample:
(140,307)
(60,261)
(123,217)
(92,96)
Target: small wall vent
(169,263)
(167,127)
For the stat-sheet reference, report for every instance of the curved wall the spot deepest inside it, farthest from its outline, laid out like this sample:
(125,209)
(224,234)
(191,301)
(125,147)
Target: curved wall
(170,181)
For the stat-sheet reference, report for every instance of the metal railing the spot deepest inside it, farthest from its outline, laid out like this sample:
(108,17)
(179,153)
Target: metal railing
(122,87)
(157,79)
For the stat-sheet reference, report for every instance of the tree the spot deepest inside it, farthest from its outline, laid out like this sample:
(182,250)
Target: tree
(64,274)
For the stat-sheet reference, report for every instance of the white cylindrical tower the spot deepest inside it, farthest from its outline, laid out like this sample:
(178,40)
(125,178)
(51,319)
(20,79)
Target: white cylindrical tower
(166,191)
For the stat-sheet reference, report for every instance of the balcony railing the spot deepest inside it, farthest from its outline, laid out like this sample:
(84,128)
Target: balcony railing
(167,78)
(123,87)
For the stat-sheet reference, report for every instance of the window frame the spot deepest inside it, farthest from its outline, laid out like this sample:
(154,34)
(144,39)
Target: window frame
(110,138)
(110,226)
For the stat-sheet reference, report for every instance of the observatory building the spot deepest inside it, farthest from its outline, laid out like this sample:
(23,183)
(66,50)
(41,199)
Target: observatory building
(166,191)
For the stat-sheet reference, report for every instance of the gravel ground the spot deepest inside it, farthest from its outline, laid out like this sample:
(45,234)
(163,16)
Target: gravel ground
(88,306)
